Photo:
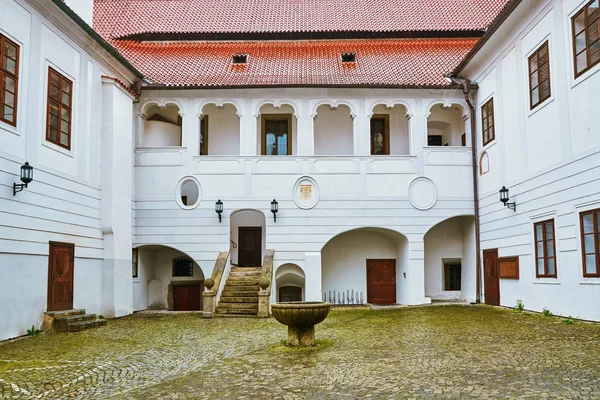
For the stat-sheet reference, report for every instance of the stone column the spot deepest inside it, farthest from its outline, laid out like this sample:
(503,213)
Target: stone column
(115,199)
(263,303)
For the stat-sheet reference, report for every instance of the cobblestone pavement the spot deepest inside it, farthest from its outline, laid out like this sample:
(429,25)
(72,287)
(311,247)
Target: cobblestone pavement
(416,352)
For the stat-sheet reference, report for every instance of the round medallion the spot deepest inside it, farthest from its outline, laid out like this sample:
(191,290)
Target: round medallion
(306,193)
(422,193)
(188,193)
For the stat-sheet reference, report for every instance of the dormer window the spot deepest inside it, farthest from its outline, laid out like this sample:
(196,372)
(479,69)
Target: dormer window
(348,58)
(239,59)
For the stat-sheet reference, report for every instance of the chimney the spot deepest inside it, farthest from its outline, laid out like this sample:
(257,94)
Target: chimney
(83,8)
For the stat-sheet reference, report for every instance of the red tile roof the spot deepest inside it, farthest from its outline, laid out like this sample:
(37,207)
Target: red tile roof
(409,62)
(120,18)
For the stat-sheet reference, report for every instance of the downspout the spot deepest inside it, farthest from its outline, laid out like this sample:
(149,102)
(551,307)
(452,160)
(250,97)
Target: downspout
(466,84)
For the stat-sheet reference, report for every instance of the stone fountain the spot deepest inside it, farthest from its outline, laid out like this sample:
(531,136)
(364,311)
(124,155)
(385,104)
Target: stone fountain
(300,318)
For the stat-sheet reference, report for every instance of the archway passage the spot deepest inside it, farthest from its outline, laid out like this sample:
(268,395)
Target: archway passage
(167,279)
(290,283)
(219,131)
(248,238)
(445,126)
(367,263)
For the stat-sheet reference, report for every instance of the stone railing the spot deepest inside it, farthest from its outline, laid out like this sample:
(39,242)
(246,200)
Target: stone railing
(265,282)
(214,285)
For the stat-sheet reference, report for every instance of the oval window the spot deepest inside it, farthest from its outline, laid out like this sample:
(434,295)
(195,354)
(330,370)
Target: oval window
(188,194)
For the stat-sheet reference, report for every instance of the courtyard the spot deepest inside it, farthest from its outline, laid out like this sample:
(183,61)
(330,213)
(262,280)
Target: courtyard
(412,352)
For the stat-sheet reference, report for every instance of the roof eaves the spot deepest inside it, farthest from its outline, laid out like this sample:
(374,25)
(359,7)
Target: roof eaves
(504,14)
(94,35)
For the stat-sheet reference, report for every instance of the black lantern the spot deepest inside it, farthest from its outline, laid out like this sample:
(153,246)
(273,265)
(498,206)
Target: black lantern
(26,178)
(274,209)
(219,208)
(504,197)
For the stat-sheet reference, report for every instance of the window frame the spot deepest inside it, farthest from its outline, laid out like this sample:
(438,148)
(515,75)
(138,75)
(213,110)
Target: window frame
(135,270)
(263,135)
(535,54)
(450,278)
(596,233)
(487,105)
(15,77)
(203,150)
(182,259)
(545,255)
(585,31)
(60,104)
(386,133)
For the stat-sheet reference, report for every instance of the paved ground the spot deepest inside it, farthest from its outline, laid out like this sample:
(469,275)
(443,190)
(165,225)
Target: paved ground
(421,352)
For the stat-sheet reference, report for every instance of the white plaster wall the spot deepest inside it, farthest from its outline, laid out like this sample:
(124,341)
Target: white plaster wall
(333,130)
(249,218)
(160,134)
(223,130)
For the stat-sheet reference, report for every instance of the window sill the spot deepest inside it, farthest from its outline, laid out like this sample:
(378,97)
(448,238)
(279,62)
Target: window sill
(546,281)
(590,281)
(58,149)
(541,106)
(136,280)
(583,77)
(9,128)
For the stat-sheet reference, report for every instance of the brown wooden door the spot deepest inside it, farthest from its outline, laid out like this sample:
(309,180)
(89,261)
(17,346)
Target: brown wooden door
(381,281)
(61,262)
(186,298)
(250,247)
(491,280)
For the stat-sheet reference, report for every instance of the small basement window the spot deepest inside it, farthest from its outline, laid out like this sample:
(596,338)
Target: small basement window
(348,57)
(240,59)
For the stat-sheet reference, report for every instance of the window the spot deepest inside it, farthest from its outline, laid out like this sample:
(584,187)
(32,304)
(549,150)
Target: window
(586,45)
(590,243)
(434,140)
(348,57)
(463,140)
(539,76)
(545,249)
(452,275)
(204,135)
(58,129)
(290,293)
(276,135)
(240,58)
(134,263)
(487,119)
(183,266)
(9,80)
(380,135)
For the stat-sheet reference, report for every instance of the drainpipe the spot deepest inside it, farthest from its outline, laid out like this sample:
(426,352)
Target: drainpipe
(466,84)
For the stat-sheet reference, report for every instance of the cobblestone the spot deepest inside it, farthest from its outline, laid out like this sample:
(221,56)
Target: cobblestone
(414,352)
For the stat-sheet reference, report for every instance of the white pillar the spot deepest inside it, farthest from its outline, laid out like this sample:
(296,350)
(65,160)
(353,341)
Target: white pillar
(312,277)
(416,273)
(306,135)
(116,196)
(190,134)
(468,284)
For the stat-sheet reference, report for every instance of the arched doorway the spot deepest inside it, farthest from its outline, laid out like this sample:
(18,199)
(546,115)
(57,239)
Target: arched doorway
(248,236)
(289,282)
(369,262)
(166,279)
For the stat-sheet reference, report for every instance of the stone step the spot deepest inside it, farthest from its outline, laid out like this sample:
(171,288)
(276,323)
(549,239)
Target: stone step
(244,274)
(247,299)
(238,306)
(242,282)
(239,293)
(230,311)
(247,269)
(245,289)
(217,315)
(64,313)
(82,325)
(61,323)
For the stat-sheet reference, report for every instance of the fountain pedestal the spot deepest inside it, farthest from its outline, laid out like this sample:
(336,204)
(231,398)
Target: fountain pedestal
(300,318)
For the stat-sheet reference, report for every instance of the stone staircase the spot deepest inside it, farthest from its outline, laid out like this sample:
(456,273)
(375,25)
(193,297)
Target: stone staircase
(240,294)
(70,321)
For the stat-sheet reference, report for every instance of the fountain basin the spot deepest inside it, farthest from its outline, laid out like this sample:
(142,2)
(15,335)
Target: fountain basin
(300,318)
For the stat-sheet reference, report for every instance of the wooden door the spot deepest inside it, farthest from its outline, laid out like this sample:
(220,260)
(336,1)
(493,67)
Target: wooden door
(381,281)
(491,280)
(61,262)
(186,298)
(250,246)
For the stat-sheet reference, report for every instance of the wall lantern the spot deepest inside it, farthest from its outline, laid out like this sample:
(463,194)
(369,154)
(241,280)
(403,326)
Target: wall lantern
(26,178)
(504,197)
(274,209)
(219,208)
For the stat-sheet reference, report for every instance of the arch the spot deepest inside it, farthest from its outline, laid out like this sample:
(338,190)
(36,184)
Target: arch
(445,123)
(484,163)
(157,284)
(392,104)
(161,104)
(334,104)
(278,104)
(160,124)
(390,127)
(450,259)
(246,218)
(289,275)
(446,104)
(220,130)
(219,103)
(334,133)
(344,260)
